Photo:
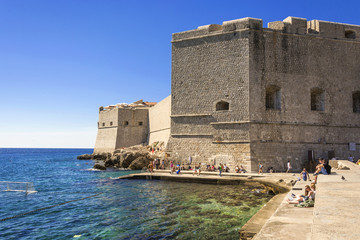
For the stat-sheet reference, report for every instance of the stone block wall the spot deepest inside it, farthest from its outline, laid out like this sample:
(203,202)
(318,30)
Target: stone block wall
(133,127)
(159,121)
(121,127)
(289,90)
(297,63)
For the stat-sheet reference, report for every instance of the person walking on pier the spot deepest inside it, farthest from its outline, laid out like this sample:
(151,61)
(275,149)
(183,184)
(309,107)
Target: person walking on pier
(305,175)
(221,167)
(261,168)
(289,167)
(171,167)
(151,167)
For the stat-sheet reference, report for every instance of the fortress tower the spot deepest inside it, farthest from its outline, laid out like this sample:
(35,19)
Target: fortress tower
(121,126)
(244,94)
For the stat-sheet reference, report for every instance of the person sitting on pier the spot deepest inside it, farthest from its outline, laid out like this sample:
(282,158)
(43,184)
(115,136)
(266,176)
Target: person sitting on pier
(320,169)
(242,169)
(178,169)
(237,169)
(212,168)
(309,194)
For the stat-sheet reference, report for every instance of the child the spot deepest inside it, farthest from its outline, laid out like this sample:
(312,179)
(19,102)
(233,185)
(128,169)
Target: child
(260,168)
(305,175)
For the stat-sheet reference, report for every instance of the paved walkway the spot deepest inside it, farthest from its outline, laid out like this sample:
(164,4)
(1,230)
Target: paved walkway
(335,215)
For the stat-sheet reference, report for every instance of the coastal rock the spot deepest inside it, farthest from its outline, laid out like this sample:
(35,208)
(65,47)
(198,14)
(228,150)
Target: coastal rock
(109,163)
(129,158)
(84,157)
(101,156)
(99,167)
(139,163)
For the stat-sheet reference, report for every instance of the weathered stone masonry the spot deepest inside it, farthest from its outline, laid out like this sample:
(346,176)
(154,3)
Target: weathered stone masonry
(244,94)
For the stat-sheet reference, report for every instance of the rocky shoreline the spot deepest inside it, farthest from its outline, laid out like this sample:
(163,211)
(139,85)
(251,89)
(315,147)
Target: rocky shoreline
(132,158)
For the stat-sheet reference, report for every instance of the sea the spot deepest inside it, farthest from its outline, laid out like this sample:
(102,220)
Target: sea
(75,202)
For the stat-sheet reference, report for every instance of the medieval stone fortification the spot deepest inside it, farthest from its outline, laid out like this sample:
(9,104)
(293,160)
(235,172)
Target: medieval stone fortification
(244,94)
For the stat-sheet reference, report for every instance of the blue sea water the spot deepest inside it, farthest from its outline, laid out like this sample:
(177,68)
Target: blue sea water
(125,209)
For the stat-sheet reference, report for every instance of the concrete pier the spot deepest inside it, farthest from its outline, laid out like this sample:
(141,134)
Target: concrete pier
(335,215)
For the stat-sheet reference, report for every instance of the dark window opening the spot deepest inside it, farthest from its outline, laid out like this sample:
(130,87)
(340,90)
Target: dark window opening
(273,98)
(317,100)
(111,123)
(356,102)
(140,123)
(350,34)
(222,105)
(126,123)
(103,124)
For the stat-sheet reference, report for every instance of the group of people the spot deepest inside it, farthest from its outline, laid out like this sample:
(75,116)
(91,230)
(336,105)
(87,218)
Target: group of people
(197,168)
(306,200)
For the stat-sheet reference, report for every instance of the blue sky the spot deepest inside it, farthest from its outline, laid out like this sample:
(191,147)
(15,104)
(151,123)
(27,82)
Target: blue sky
(62,59)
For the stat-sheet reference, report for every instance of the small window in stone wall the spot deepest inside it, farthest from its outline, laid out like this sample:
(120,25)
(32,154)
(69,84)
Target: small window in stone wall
(140,123)
(350,34)
(111,123)
(222,105)
(126,123)
(103,124)
(273,97)
(317,99)
(356,102)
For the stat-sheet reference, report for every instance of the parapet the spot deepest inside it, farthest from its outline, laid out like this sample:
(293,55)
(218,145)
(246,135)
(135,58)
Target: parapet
(227,26)
(290,25)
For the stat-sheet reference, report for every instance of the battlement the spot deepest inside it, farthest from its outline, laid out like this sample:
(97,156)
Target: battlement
(290,25)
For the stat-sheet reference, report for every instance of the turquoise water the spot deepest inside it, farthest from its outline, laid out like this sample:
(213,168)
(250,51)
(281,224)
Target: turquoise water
(126,209)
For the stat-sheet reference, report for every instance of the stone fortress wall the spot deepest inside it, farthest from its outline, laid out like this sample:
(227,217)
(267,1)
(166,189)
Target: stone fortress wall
(244,94)
(121,127)
(159,121)
(125,125)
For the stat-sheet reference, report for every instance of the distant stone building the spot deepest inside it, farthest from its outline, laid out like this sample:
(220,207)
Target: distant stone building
(125,125)
(244,94)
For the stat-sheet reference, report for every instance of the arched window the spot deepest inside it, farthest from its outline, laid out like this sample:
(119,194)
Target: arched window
(317,99)
(273,97)
(356,102)
(222,105)
(350,34)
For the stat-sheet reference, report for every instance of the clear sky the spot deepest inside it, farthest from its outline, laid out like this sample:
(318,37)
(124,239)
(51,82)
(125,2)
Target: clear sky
(62,59)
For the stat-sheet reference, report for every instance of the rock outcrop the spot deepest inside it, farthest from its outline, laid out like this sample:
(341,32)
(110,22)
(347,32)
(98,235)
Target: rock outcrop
(84,157)
(135,158)
(99,167)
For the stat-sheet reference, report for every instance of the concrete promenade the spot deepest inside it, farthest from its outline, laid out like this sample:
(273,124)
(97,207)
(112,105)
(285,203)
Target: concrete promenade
(334,216)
